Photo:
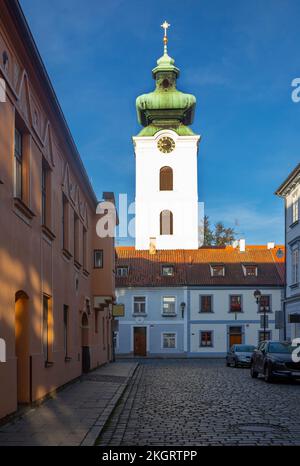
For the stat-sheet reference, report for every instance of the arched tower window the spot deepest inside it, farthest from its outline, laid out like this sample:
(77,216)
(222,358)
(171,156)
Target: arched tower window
(166,179)
(166,222)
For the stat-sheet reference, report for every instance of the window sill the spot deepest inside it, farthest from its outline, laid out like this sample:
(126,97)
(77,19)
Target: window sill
(50,235)
(294,224)
(205,312)
(23,208)
(48,364)
(169,315)
(68,359)
(235,312)
(67,254)
(205,346)
(139,315)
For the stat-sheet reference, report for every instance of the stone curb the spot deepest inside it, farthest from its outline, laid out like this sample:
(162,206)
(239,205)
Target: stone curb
(94,432)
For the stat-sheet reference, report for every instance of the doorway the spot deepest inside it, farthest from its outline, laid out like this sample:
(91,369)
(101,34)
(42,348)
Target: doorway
(22,347)
(85,349)
(140,341)
(235,336)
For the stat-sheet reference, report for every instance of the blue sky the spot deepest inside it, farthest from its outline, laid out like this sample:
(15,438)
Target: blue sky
(237,57)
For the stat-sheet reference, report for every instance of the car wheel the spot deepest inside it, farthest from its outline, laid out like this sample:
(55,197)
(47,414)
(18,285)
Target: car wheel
(268,374)
(235,364)
(254,374)
(227,364)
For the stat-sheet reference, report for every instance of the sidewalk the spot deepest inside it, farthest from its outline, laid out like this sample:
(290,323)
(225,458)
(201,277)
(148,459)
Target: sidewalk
(76,415)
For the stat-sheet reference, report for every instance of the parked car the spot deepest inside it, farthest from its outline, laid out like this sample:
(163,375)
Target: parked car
(239,355)
(273,359)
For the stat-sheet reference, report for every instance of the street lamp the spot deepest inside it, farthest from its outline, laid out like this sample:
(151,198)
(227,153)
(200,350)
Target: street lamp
(182,306)
(258,296)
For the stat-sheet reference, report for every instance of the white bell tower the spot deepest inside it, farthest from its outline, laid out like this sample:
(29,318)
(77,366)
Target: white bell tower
(166,152)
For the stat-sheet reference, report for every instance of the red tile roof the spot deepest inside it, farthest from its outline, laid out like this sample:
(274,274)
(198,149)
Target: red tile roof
(192,267)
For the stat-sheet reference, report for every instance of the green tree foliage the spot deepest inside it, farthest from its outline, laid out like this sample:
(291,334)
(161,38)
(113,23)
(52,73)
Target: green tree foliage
(219,235)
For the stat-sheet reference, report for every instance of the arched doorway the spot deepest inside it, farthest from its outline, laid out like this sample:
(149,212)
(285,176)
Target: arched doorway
(22,347)
(85,356)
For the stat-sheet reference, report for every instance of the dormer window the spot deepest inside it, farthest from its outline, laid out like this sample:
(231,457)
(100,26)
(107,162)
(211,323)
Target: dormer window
(250,270)
(167,271)
(122,271)
(217,270)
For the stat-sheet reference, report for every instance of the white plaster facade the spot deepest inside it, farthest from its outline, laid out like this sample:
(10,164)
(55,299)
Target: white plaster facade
(182,201)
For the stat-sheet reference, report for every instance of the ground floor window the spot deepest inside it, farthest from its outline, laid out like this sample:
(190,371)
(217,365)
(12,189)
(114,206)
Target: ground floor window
(264,335)
(206,338)
(169,340)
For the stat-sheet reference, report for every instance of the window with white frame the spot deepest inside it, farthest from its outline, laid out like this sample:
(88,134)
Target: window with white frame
(167,271)
(217,270)
(206,338)
(264,335)
(169,340)
(295,208)
(122,271)
(139,305)
(295,265)
(169,306)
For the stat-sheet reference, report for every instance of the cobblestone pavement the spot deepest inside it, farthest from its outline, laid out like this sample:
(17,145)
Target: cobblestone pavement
(203,402)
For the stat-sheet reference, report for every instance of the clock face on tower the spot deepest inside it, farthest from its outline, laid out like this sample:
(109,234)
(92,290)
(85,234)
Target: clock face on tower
(166,145)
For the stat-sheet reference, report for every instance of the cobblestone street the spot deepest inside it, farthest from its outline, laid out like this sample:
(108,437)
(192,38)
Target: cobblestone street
(193,402)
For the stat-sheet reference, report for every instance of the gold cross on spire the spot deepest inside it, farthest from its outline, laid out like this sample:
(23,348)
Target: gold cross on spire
(165,25)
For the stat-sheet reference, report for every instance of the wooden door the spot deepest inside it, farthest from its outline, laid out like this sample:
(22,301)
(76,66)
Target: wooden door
(140,343)
(235,336)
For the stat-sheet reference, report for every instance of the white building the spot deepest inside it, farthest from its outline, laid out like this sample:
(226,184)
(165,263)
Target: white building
(290,191)
(196,303)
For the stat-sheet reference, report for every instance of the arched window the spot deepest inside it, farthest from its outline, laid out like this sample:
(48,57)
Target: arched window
(166,179)
(166,222)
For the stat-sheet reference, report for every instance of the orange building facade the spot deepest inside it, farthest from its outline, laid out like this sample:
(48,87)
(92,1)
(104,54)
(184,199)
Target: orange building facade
(56,275)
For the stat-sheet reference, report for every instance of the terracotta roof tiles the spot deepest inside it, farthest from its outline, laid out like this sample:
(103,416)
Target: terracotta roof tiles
(192,267)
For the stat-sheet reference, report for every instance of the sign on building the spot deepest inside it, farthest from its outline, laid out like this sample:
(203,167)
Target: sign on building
(118,310)
(294,318)
(279,319)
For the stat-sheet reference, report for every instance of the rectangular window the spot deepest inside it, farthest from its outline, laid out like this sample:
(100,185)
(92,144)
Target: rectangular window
(206,303)
(235,303)
(169,306)
(122,272)
(264,335)
(169,340)
(295,208)
(96,321)
(76,238)
(84,249)
(98,259)
(217,271)
(206,338)
(295,266)
(250,270)
(46,196)
(65,223)
(139,305)
(167,271)
(265,303)
(18,152)
(66,326)
(46,328)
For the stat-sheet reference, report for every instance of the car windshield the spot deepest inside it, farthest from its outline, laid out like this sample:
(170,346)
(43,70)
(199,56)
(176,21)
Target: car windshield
(244,349)
(280,348)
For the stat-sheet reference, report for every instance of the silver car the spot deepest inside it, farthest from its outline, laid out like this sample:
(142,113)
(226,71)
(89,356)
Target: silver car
(239,355)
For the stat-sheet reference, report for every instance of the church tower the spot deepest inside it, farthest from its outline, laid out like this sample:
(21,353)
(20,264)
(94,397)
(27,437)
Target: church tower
(166,163)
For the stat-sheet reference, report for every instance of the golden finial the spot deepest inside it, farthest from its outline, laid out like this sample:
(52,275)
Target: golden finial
(165,26)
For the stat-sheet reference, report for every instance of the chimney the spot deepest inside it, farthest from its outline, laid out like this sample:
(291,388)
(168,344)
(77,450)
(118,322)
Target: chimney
(242,244)
(271,245)
(152,246)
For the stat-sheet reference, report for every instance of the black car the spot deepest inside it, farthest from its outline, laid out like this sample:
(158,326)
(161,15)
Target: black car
(273,359)
(239,355)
